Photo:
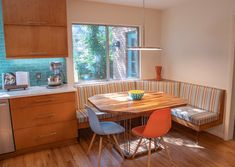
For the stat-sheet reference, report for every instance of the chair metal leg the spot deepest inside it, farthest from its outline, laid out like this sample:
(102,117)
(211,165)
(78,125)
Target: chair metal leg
(118,146)
(91,143)
(137,147)
(100,149)
(149,154)
(167,151)
(156,141)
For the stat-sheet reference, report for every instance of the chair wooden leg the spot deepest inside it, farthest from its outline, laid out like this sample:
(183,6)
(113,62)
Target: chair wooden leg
(100,149)
(167,151)
(197,137)
(118,146)
(149,154)
(109,142)
(91,143)
(137,147)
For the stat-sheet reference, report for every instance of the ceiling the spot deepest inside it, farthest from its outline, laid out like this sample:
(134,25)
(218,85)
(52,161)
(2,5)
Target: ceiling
(156,4)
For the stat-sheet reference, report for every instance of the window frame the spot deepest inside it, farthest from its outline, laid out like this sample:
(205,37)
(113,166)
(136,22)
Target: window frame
(107,54)
(138,35)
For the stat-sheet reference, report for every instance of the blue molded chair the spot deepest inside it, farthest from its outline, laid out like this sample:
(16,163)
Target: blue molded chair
(103,129)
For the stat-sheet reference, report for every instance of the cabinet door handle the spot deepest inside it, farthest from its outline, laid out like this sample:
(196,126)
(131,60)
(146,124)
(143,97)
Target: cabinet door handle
(47,135)
(44,116)
(3,104)
(38,53)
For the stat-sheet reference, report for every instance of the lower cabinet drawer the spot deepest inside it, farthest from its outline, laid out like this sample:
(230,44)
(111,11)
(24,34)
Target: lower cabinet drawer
(42,115)
(36,136)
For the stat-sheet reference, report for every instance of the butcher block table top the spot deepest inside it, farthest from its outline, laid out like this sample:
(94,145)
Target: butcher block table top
(118,103)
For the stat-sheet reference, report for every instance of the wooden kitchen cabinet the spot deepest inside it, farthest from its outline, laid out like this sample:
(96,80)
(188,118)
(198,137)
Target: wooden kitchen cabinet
(43,119)
(35,28)
(35,41)
(39,135)
(35,12)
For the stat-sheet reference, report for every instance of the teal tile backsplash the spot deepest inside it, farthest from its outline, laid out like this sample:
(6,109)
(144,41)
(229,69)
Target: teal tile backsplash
(33,66)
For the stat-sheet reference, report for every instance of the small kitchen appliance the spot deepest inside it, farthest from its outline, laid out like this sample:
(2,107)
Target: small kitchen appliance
(56,78)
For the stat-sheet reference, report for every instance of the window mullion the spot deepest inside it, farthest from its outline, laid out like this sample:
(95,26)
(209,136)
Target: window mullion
(107,54)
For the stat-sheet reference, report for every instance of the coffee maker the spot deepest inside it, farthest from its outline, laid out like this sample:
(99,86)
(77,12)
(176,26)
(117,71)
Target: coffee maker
(56,78)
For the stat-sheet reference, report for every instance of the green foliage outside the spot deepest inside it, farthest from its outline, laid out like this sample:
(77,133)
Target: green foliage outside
(91,61)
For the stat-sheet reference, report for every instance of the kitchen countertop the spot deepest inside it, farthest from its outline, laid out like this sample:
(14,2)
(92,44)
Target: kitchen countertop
(35,91)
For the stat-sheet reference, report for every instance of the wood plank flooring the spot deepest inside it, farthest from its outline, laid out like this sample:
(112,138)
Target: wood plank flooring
(210,152)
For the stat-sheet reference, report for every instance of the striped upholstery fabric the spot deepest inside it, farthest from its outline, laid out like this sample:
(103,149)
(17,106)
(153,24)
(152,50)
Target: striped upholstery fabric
(204,102)
(169,87)
(202,97)
(194,115)
(86,91)
(82,115)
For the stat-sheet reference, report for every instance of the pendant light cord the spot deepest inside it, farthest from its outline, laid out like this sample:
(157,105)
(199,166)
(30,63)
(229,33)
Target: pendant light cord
(142,45)
(143,26)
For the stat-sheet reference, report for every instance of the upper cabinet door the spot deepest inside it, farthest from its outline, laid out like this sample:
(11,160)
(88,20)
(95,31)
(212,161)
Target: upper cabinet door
(35,12)
(35,41)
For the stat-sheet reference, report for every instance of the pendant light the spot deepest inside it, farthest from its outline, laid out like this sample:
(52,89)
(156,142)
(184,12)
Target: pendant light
(143,47)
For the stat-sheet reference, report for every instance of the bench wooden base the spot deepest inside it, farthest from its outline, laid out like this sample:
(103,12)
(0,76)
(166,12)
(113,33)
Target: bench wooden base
(197,128)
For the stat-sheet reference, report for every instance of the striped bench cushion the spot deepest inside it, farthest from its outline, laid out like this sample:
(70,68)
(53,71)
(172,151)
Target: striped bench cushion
(202,97)
(82,115)
(169,87)
(86,91)
(194,115)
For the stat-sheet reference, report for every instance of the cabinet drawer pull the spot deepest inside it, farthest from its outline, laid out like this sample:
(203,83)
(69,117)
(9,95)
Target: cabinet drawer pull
(38,53)
(43,101)
(44,116)
(47,135)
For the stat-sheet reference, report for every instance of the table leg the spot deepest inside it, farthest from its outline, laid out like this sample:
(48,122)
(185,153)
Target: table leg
(129,145)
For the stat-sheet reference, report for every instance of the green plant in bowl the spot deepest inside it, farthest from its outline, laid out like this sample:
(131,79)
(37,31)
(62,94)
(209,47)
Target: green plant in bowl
(136,94)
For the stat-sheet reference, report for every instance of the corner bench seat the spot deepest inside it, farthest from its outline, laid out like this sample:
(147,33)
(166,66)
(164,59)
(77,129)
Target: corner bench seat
(204,110)
(205,107)
(194,115)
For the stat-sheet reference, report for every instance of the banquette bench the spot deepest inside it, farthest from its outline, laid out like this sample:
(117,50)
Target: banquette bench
(86,91)
(204,110)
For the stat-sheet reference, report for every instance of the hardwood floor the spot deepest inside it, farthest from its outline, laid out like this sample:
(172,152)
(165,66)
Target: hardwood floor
(210,152)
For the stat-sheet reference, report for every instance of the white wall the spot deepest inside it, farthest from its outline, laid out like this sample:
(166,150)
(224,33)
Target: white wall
(91,12)
(197,39)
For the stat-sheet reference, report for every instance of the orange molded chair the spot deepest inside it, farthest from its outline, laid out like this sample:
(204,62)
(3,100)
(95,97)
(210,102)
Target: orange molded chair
(158,125)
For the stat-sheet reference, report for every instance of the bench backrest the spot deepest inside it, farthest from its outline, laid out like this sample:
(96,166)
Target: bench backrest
(86,91)
(169,87)
(207,98)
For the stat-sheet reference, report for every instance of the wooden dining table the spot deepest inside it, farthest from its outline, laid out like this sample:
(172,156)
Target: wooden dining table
(121,104)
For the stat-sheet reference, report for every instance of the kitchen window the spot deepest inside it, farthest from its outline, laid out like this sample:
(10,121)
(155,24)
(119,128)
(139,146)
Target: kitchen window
(100,52)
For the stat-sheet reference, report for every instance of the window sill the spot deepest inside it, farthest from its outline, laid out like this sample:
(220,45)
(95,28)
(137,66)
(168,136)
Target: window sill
(96,82)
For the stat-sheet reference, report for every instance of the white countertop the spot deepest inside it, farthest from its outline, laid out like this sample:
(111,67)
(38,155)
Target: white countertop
(35,91)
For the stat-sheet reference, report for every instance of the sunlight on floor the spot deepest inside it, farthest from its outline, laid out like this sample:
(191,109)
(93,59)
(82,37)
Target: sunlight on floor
(130,147)
(181,142)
